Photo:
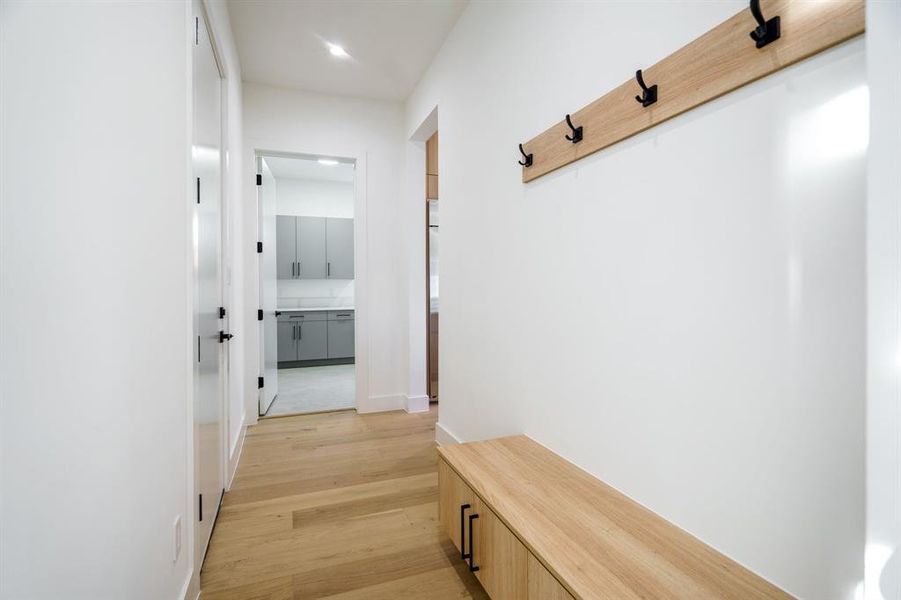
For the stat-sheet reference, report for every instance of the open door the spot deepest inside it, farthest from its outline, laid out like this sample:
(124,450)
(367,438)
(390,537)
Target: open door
(267,202)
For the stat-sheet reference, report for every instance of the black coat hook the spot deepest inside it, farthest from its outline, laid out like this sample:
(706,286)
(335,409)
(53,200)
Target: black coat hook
(528,157)
(766,31)
(577,131)
(648,94)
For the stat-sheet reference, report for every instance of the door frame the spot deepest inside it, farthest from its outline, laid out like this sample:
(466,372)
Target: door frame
(361,271)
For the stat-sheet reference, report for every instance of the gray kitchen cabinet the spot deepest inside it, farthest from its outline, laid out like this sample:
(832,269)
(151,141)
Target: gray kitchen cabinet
(285,247)
(341,335)
(312,342)
(287,340)
(314,248)
(339,238)
(311,248)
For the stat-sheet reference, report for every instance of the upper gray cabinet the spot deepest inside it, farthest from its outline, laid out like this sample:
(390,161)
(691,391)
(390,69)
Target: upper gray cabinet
(285,247)
(314,248)
(339,237)
(311,260)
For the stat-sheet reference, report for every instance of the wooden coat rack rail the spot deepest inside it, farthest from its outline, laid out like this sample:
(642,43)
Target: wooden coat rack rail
(752,44)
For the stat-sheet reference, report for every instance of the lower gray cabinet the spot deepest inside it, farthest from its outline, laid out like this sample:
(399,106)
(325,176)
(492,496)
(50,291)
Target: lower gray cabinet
(312,340)
(287,340)
(315,335)
(340,335)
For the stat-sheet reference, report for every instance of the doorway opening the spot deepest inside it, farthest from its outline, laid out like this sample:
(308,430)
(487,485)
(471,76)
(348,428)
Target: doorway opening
(307,319)
(431,253)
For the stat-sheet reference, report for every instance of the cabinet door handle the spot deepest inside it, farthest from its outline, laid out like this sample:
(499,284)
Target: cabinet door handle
(300,327)
(292,268)
(298,269)
(328,267)
(294,332)
(472,568)
(463,508)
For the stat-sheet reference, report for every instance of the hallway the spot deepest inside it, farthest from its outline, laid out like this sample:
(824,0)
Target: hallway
(335,505)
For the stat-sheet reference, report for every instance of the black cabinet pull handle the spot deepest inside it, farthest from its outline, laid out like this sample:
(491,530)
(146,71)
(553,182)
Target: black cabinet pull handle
(472,568)
(463,508)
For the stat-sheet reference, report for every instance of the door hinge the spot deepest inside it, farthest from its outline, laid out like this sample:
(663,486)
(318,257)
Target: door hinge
(221,312)
(259,179)
(196,31)
(259,247)
(200,506)
(198,190)
(259,383)
(259,314)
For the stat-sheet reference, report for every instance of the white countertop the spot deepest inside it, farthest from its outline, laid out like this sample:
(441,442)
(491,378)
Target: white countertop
(313,308)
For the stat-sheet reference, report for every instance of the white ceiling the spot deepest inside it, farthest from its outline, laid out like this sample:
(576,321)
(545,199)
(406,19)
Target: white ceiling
(302,168)
(390,43)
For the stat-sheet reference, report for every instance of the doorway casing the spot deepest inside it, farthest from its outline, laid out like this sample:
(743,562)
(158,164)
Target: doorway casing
(361,273)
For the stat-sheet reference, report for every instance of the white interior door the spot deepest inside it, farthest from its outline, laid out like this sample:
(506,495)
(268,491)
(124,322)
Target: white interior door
(208,390)
(268,288)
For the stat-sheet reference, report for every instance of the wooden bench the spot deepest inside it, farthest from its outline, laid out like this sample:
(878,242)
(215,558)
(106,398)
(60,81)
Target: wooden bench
(532,525)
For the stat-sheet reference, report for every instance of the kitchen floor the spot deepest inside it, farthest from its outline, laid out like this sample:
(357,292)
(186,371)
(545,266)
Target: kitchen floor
(314,389)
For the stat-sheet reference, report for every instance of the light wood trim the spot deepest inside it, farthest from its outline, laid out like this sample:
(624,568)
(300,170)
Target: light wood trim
(431,187)
(721,60)
(543,585)
(431,155)
(597,542)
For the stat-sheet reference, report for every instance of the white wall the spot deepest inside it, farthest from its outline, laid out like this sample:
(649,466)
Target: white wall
(94,299)
(682,314)
(309,198)
(277,119)
(883,551)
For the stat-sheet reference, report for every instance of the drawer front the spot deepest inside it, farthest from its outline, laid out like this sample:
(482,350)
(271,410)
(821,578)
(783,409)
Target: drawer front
(340,315)
(502,560)
(542,584)
(453,494)
(310,315)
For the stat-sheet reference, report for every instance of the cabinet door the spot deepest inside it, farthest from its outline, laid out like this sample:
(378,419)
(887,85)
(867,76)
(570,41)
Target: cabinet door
(341,338)
(503,560)
(339,238)
(285,247)
(453,494)
(287,342)
(311,247)
(312,340)
(543,585)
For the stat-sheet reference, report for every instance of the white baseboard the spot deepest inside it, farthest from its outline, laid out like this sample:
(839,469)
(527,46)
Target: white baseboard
(383,403)
(444,437)
(417,404)
(235,456)
(191,589)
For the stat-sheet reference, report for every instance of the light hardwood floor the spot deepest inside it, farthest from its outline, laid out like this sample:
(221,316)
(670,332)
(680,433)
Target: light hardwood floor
(336,505)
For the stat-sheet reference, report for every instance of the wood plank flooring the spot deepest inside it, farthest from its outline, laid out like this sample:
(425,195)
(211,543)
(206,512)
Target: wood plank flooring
(335,505)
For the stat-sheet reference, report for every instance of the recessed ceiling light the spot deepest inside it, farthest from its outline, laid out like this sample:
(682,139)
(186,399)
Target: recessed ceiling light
(336,50)
(328,161)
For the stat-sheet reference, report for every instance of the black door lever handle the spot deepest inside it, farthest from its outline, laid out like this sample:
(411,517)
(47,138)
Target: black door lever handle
(224,337)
